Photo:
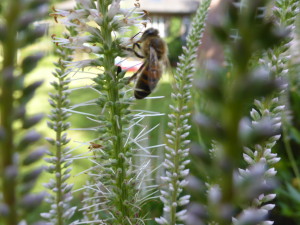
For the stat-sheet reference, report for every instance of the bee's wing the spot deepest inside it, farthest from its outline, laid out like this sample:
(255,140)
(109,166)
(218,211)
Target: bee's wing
(149,75)
(153,60)
(154,69)
(168,70)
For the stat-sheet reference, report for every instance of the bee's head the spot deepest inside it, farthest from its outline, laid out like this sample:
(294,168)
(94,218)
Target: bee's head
(148,33)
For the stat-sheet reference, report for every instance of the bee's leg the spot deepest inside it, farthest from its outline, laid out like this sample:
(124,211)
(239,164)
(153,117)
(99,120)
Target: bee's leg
(138,55)
(136,44)
(136,73)
(132,50)
(119,69)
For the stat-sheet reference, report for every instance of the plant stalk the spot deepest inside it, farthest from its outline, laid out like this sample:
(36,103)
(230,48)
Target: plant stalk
(7,146)
(58,169)
(115,114)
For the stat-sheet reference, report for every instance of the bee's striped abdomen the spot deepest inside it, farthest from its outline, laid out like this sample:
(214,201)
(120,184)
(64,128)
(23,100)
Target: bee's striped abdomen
(146,83)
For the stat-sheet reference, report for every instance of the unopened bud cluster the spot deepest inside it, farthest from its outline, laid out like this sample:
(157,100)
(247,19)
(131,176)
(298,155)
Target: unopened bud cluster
(19,153)
(59,157)
(112,194)
(177,147)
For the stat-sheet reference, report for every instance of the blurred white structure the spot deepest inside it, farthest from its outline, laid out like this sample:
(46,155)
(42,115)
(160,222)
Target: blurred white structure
(161,11)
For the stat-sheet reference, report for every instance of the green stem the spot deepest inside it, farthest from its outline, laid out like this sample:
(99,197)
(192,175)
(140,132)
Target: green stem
(288,148)
(6,110)
(115,116)
(176,167)
(58,162)
(180,103)
(232,147)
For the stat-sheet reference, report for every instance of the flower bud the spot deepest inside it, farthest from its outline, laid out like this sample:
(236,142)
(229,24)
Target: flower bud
(29,122)
(31,201)
(32,175)
(29,138)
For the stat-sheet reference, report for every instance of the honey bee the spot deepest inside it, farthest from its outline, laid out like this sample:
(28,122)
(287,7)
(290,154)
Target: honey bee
(153,49)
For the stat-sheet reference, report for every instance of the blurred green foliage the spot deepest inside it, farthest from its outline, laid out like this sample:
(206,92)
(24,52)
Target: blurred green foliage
(288,200)
(174,40)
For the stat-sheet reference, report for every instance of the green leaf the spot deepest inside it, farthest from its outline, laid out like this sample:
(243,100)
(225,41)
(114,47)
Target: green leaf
(30,62)
(295,134)
(34,156)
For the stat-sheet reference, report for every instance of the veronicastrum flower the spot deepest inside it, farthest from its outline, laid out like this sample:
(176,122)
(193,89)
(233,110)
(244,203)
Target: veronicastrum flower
(272,108)
(177,148)
(116,189)
(82,19)
(60,158)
